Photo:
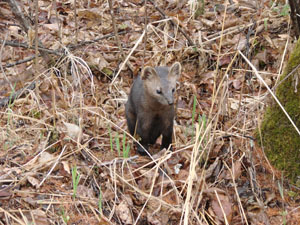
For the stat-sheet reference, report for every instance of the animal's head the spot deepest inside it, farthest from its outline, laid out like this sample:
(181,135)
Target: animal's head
(160,82)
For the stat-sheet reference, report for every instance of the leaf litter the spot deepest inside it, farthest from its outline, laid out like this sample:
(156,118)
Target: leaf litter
(217,173)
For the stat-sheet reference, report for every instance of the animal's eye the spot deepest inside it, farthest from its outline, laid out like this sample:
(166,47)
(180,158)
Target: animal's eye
(173,90)
(158,91)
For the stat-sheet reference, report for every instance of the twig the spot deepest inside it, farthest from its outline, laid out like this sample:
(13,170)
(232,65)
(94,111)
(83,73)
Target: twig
(117,161)
(58,22)
(145,38)
(191,43)
(295,10)
(20,62)
(76,24)
(111,10)
(26,26)
(17,94)
(273,95)
(286,77)
(36,22)
(2,70)
(54,165)
(19,15)
(23,45)
(83,43)
(11,24)
(130,53)
(60,51)
(116,34)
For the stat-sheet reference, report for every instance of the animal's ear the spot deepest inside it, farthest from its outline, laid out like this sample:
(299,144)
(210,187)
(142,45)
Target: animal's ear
(148,73)
(175,70)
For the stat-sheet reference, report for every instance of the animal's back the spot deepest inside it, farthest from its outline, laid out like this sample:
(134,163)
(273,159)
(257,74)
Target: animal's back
(132,105)
(136,94)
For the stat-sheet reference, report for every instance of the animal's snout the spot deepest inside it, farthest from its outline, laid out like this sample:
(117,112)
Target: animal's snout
(170,101)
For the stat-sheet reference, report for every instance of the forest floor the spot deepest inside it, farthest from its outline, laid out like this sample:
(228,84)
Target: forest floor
(66,156)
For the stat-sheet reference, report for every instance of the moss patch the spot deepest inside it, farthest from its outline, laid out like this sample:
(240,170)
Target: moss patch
(279,137)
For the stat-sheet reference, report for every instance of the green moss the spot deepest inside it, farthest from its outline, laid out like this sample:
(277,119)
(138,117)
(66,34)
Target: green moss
(279,137)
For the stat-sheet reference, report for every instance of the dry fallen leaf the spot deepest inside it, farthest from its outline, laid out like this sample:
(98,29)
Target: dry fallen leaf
(45,158)
(40,217)
(123,212)
(73,131)
(66,166)
(217,195)
(52,27)
(33,181)
(85,192)
(5,193)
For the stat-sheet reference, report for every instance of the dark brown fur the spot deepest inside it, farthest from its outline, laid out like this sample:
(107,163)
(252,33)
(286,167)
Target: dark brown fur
(149,109)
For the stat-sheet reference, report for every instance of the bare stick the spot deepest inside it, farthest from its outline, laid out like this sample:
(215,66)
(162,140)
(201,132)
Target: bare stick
(111,10)
(26,25)
(271,92)
(1,50)
(19,15)
(76,25)
(36,34)
(58,21)
(19,62)
(130,53)
(191,43)
(23,45)
(19,93)
(116,34)
(60,51)
(145,28)
(83,43)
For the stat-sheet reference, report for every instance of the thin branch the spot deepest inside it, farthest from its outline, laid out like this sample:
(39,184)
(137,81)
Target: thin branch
(145,27)
(2,70)
(19,15)
(83,43)
(111,10)
(295,11)
(116,34)
(20,61)
(76,23)
(26,26)
(23,45)
(191,43)
(60,51)
(17,94)
(36,51)
(273,95)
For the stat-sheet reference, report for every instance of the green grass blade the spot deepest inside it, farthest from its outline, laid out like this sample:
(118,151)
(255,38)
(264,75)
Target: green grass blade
(118,143)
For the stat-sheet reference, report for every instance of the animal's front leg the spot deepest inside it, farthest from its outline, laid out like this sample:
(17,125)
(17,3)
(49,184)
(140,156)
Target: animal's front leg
(167,138)
(143,130)
(131,121)
(140,149)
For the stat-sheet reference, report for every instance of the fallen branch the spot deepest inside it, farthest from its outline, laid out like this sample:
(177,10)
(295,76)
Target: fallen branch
(60,51)
(191,43)
(116,34)
(16,10)
(19,62)
(83,43)
(23,45)
(17,94)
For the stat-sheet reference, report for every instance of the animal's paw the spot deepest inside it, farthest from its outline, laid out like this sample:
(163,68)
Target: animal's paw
(162,147)
(141,150)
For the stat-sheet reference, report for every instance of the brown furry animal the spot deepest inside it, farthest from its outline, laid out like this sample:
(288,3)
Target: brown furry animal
(150,106)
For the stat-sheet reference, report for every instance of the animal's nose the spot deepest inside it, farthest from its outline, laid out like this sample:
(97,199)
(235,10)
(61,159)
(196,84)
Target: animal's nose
(170,101)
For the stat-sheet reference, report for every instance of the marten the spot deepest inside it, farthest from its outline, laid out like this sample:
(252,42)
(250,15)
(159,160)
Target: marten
(150,107)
